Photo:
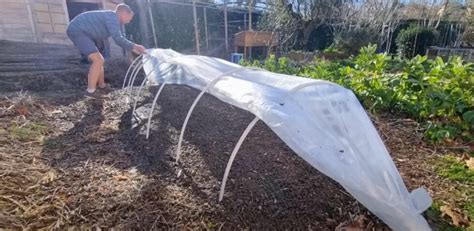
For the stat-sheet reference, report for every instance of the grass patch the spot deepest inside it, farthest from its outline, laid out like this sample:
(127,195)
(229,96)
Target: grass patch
(451,168)
(30,131)
(52,144)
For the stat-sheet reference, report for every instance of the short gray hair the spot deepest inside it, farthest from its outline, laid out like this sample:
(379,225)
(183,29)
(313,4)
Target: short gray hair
(124,7)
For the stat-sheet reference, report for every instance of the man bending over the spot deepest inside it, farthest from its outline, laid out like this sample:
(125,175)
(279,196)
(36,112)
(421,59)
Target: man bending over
(90,30)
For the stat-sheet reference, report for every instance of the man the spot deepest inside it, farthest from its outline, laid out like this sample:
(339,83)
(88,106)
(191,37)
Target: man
(89,32)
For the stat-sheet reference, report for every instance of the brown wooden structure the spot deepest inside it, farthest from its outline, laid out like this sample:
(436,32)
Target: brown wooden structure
(251,39)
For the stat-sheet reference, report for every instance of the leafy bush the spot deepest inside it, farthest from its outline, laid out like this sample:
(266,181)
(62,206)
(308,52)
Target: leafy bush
(438,94)
(320,38)
(280,65)
(414,41)
(350,41)
(331,49)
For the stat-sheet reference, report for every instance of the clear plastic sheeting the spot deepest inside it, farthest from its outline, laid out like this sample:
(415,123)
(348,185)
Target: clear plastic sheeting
(320,121)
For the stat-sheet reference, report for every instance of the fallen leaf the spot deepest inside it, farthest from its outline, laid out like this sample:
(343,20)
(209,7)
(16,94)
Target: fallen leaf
(355,225)
(112,126)
(465,156)
(457,218)
(63,196)
(331,222)
(470,163)
(349,227)
(49,177)
(449,142)
(133,170)
(22,110)
(121,177)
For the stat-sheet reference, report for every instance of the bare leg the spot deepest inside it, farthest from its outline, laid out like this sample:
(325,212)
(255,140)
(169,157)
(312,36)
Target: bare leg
(95,71)
(101,81)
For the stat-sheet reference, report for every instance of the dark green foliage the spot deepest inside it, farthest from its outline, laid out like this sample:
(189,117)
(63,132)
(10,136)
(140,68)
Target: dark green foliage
(350,41)
(320,39)
(414,41)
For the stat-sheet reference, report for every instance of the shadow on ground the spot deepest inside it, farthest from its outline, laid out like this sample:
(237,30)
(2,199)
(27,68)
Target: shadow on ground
(108,175)
(269,186)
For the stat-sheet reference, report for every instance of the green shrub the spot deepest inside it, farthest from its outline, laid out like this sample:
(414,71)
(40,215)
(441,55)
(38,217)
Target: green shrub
(331,49)
(320,38)
(414,41)
(350,41)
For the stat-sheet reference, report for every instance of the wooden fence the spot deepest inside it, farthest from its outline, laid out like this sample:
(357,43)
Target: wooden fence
(466,53)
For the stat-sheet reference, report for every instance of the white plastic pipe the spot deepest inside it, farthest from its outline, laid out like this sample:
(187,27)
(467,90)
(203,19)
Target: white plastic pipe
(132,80)
(130,68)
(247,131)
(135,74)
(132,65)
(191,109)
(153,108)
(232,156)
(309,84)
(140,89)
(135,71)
(135,99)
(156,97)
(145,80)
(133,77)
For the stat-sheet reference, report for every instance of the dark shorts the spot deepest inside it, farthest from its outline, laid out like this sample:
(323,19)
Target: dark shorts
(87,45)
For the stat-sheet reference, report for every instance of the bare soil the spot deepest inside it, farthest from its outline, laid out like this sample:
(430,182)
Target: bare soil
(67,161)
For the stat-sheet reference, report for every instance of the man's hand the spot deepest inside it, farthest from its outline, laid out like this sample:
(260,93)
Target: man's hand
(139,49)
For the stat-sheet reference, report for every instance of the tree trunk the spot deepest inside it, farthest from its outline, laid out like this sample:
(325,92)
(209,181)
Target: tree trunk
(309,26)
(441,13)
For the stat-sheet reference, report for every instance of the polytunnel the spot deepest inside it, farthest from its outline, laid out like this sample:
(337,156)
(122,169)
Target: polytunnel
(320,121)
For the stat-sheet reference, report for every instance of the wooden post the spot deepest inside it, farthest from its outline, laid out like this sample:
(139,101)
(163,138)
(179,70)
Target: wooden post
(205,28)
(225,28)
(250,14)
(382,34)
(389,38)
(250,25)
(196,32)
(32,23)
(152,24)
(143,22)
(245,21)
